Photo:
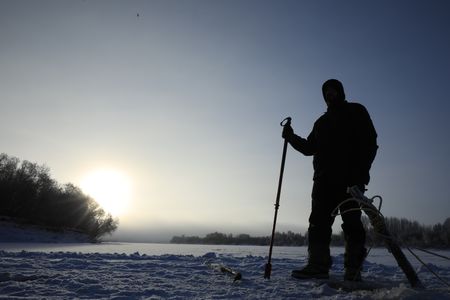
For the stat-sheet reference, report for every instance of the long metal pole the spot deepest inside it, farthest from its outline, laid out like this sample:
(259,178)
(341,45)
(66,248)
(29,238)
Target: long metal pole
(268,268)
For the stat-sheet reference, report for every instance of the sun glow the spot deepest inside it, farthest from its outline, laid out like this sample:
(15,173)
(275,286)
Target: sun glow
(111,189)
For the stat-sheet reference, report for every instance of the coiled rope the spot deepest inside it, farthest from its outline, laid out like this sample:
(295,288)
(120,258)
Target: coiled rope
(379,223)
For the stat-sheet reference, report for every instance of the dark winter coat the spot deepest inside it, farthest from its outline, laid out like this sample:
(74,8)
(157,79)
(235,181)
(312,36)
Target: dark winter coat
(343,142)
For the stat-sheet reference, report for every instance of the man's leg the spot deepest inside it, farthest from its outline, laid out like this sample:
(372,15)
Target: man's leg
(319,234)
(355,239)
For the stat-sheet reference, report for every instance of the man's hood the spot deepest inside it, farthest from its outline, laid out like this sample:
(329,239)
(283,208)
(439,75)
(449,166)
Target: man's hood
(337,85)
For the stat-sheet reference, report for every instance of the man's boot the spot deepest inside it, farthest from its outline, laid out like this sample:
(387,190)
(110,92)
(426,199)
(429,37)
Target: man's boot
(353,261)
(319,264)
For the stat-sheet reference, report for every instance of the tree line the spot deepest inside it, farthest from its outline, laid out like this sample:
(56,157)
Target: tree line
(217,238)
(28,194)
(412,233)
(406,232)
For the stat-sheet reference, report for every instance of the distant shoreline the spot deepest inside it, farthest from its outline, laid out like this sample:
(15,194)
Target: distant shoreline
(216,238)
(407,233)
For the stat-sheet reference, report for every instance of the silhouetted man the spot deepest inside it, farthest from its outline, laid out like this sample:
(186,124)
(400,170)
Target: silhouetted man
(343,145)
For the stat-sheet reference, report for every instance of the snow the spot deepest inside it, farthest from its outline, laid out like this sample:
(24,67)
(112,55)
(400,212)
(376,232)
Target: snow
(158,271)
(14,232)
(70,275)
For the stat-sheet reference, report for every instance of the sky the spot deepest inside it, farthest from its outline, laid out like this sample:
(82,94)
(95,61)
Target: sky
(183,100)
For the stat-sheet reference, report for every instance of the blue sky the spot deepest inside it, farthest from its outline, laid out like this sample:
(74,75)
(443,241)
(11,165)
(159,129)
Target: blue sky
(185,100)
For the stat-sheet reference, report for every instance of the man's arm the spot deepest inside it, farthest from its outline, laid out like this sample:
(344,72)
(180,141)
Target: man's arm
(304,146)
(366,137)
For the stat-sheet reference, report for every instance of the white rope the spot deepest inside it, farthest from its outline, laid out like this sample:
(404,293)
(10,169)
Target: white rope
(367,202)
(370,207)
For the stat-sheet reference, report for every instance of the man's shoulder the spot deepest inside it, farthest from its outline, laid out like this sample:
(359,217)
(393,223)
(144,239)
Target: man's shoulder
(355,106)
(350,109)
(321,118)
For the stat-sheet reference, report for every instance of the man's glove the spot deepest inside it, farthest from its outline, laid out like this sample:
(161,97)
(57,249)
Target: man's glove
(287,131)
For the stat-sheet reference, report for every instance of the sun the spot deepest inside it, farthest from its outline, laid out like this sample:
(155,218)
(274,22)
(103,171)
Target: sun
(110,188)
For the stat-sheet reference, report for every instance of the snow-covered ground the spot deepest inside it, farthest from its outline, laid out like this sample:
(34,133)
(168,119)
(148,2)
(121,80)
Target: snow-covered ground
(55,275)
(96,271)
(14,232)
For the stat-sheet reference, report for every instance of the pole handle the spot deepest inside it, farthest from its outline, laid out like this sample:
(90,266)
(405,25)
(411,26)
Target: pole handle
(286,121)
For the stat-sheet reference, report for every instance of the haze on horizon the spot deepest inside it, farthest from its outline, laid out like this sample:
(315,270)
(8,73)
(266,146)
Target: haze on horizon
(184,100)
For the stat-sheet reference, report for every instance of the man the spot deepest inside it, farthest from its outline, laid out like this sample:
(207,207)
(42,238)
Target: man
(343,145)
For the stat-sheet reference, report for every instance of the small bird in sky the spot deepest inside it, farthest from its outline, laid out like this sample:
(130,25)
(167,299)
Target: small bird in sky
(137,15)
